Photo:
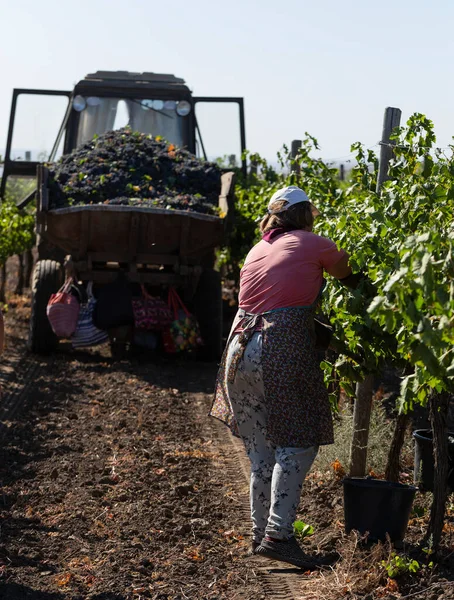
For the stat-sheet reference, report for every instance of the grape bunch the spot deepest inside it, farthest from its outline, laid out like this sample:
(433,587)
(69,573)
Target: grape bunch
(128,168)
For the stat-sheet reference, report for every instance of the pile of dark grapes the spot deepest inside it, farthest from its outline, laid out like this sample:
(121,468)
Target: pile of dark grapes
(129,168)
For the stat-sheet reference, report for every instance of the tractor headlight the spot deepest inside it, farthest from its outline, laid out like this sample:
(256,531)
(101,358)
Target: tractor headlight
(79,103)
(183,108)
(93,101)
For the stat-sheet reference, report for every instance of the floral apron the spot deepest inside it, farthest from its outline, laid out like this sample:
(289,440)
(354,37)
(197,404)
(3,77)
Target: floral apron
(298,410)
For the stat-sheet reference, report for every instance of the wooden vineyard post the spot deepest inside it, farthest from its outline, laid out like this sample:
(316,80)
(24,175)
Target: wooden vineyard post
(3,282)
(365,388)
(294,149)
(253,169)
(342,172)
(20,276)
(438,410)
(361,424)
(393,464)
(390,122)
(28,261)
(402,421)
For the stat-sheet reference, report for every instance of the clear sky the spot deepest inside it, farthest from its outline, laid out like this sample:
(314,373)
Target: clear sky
(327,67)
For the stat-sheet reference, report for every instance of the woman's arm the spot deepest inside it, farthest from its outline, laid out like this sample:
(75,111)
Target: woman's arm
(341,269)
(343,272)
(336,263)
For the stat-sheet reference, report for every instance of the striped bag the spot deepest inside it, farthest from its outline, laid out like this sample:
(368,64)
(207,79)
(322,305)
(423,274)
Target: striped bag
(87,334)
(63,311)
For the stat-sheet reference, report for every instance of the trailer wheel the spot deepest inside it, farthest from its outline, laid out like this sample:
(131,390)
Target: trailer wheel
(47,279)
(208,310)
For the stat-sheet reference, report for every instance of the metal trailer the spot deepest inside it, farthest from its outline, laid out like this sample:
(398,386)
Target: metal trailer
(151,246)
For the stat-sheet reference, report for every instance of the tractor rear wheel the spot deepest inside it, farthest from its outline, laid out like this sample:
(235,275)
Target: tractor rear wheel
(47,280)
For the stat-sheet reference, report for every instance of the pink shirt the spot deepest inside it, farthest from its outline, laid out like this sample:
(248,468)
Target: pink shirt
(286,271)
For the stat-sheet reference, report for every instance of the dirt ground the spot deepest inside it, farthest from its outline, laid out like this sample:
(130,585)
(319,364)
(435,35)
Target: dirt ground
(115,485)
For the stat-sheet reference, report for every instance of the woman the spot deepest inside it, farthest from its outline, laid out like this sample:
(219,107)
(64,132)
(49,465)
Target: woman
(270,387)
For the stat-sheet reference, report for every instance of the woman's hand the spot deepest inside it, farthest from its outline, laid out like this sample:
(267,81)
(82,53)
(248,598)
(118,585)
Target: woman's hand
(354,280)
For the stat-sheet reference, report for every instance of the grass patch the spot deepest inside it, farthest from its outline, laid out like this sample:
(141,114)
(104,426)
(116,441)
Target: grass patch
(380,436)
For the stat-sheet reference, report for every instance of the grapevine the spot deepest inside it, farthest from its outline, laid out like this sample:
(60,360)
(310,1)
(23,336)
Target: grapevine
(401,238)
(16,226)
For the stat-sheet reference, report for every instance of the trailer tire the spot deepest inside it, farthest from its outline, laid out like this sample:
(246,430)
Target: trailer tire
(47,280)
(208,311)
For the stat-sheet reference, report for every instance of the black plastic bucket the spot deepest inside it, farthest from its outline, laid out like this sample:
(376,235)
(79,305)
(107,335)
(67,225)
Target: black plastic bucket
(424,469)
(377,507)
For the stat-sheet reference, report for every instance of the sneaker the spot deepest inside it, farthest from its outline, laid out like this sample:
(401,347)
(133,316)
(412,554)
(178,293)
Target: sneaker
(287,551)
(254,546)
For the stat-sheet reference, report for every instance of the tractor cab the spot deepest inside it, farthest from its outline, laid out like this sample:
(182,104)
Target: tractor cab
(46,124)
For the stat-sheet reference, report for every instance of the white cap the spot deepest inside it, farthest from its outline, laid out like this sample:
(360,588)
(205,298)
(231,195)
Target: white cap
(292,195)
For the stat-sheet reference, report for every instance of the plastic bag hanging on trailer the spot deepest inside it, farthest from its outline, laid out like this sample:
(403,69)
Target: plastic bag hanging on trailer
(63,311)
(87,334)
(151,313)
(183,333)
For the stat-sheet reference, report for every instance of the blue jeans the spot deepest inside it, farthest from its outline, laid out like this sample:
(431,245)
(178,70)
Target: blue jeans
(277,473)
